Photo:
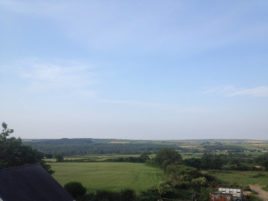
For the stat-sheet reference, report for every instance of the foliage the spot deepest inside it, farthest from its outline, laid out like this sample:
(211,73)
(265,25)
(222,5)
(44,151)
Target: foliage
(14,153)
(76,189)
(193,162)
(150,195)
(59,157)
(254,198)
(5,132)
(144,157)
(244,178)
(182,180)
(211,161)
(263,160)
(71,147)
(218,146)
(128,194)
(167,157)
(103,195)
(222,162)
(202,194)
(187,177)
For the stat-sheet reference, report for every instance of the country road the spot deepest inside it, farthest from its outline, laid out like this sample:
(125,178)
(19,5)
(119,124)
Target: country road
(262,194)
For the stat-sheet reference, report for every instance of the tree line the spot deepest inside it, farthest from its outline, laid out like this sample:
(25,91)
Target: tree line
(71,147)
(14,153)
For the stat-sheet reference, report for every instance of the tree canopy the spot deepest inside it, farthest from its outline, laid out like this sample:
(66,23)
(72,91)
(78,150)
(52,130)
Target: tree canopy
(14,153)
(167,157)
(263,160)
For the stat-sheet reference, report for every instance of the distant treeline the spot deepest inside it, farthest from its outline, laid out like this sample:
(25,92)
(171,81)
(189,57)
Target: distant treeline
(235,161)
(69,147)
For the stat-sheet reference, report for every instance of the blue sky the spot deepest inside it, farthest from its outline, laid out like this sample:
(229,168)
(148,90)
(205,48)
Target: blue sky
(134,69)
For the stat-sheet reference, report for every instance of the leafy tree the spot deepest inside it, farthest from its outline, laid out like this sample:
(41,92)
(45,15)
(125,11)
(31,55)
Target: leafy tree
(59,158)
(145,156)
(150,195)
(76,189)
(212,161)
(193,162)
(128,195)
(104,195)
(5,131)
(14,153)
(167,157)
(263,160)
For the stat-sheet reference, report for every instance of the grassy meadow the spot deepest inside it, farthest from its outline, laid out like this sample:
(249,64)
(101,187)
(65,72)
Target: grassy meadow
(93,157)
(108,175)
(242,178)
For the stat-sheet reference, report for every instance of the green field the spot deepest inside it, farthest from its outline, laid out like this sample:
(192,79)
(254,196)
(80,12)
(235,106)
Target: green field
(242,178)
(108,176)
(93,157)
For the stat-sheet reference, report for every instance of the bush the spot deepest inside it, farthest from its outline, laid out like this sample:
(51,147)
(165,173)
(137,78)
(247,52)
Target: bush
(59,158)
(128,195)
(76,189)
(150,195)
(263,160)
(103,195)
(167,157)
(14,153)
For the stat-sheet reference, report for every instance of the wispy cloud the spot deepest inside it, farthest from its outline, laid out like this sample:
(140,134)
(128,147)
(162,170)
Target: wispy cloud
(261,91)
(258,91)
(64,76)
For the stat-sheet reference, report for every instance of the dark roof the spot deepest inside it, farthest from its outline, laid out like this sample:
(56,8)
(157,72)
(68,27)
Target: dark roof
(30,183)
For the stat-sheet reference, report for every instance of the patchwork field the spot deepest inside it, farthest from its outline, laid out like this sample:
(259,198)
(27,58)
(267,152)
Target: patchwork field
(108,176)
(242,178)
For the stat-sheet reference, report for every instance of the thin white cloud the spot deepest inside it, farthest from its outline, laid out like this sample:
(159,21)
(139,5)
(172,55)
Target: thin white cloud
(259,91)
(64,76)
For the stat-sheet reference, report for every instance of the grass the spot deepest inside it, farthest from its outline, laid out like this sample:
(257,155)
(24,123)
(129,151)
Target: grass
(242,178)
(94,157)
(108,176)
(99,157)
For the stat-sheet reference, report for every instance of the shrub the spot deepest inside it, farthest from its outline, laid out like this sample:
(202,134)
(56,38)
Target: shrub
(128,195)
(76,189)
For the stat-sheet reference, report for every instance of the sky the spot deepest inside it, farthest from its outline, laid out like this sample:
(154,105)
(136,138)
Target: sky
(169,70)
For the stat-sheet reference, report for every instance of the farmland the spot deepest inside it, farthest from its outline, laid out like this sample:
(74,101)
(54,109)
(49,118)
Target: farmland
(110,166)
(108,176)
(242,178)
(148,170)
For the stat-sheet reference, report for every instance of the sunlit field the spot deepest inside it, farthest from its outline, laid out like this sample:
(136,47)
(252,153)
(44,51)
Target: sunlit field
(109,175)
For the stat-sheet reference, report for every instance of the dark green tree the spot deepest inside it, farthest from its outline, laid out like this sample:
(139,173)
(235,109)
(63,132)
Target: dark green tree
(59,158)
(5,132)
(167,157)
(128,195)
(76,189)
(14,153)
(263,160)
(150,195)
(212,161)
(145,156)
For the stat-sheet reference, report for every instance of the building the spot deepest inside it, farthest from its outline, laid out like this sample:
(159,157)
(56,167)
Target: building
(227,194)
(30,183)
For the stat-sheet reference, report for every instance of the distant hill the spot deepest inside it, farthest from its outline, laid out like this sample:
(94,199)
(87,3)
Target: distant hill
(83,146)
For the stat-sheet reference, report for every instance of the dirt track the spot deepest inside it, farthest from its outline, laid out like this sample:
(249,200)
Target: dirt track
(262,194)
